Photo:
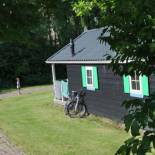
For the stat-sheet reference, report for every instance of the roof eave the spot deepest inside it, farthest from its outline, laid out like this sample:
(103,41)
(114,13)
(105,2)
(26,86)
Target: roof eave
(79,62)
(84,62)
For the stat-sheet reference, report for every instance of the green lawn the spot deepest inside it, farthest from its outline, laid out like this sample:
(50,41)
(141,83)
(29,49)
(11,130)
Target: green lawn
(39,127)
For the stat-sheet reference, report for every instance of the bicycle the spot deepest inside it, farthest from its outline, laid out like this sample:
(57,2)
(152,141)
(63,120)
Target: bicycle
(76,106)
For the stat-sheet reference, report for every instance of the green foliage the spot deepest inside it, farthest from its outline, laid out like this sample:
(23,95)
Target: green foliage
(139,38)
(58,16)
(131,28)
(82,8)
(21,19)
(30,32)
(140,122)
(25,62)
(90,12)
(18,19)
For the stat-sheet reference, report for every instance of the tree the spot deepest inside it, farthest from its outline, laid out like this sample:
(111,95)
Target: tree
(89,12)
(30,31)
(131,28)
(58,16)
(18,19)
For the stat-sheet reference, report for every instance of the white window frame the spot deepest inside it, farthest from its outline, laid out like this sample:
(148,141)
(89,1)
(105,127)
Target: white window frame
(133,91)
(89,68)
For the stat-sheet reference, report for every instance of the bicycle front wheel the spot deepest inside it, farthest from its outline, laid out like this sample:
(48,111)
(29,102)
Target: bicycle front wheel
(71,109)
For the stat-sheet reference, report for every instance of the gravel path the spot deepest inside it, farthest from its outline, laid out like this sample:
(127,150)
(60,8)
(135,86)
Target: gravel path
(6,147)
(25,91)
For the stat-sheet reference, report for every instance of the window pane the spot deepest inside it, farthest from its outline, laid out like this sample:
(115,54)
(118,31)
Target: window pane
(89,73)
(135,77)
(138,85)
(89,80)
(89,77)
(134,85)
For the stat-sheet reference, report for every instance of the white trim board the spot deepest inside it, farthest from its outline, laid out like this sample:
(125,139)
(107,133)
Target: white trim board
(78,62)
(84,62)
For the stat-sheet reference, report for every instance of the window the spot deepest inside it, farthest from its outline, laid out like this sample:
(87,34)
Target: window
(135,82)
(136,86)
(89,76)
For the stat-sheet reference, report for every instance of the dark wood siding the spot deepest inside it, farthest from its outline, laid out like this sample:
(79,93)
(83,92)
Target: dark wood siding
(107,100)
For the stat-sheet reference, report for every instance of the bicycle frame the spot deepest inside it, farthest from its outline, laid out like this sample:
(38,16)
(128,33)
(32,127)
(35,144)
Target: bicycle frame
(77,102)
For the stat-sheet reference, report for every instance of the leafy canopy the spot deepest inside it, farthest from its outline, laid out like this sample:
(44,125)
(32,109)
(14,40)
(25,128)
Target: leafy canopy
(30,31)
(131,25)
(18,19)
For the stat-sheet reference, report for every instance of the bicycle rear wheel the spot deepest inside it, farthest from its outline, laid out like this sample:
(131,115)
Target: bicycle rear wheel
(82,110)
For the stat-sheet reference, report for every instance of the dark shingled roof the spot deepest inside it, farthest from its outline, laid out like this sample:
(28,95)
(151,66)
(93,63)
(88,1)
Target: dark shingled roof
(87,48)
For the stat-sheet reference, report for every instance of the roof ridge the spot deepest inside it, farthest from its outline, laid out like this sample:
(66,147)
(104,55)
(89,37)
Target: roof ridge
(66,45)
(95,29)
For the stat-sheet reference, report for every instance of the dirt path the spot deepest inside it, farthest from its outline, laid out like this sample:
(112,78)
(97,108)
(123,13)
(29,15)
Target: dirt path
(6,147)
(28,90)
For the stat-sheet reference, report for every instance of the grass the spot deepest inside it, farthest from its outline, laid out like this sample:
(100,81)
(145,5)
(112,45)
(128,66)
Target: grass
(40,127)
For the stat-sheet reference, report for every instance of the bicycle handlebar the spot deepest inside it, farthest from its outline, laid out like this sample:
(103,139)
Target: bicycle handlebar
(79,93)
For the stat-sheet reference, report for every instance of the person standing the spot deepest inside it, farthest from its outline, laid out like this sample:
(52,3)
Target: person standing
(18,85)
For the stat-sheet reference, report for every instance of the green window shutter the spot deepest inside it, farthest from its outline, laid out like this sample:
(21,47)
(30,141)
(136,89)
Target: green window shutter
(145,85)
(95,77)
(126,84)
(83,71)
